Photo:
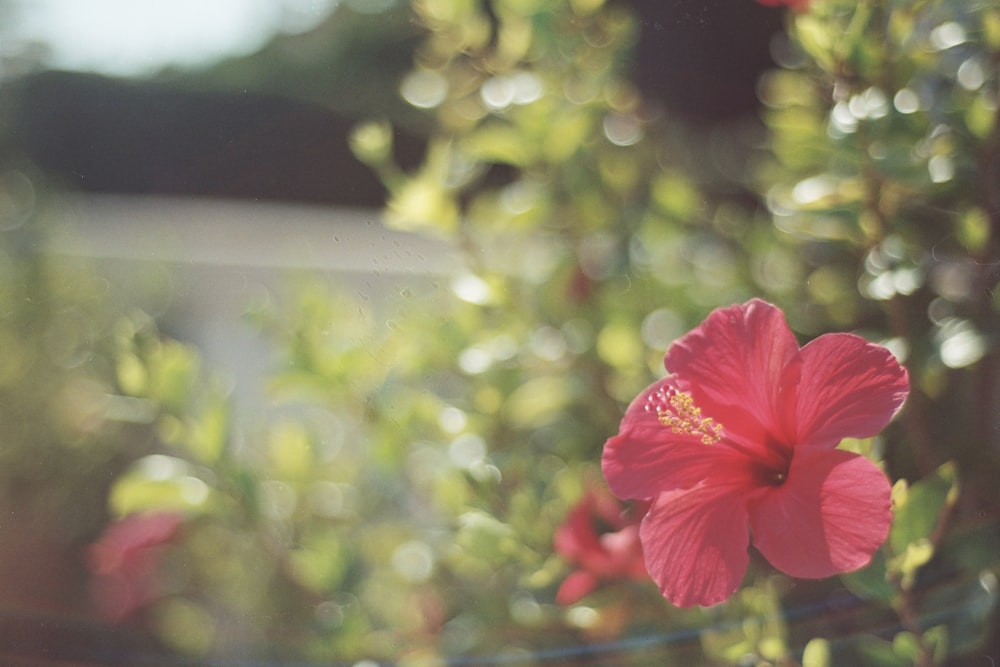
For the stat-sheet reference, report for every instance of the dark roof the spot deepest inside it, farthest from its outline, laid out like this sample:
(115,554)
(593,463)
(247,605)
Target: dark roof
(97,134)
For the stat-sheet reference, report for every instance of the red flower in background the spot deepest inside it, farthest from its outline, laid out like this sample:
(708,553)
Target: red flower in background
(125,561)
(741,439)
(601,537)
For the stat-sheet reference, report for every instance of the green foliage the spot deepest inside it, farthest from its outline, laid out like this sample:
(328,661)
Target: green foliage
(919,508)
(436,442)
(65,425)
(816,653)
(751,625)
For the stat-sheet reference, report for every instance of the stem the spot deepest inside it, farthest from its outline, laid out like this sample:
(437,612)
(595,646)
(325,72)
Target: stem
(907,612)
(988,265)
(914,418)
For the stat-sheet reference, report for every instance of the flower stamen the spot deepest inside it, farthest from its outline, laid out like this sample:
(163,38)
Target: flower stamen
(684,418)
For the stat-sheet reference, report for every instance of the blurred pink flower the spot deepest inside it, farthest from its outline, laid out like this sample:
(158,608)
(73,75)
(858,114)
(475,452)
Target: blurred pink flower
(125,560)
(601,537)
(740,438)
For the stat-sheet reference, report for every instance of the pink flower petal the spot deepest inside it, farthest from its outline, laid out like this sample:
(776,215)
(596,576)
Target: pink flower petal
(575,586)
(576,536)
(850,388)
(695,542)
(128,538)
(620,542)
(829,517)
(741,364)
(647,458)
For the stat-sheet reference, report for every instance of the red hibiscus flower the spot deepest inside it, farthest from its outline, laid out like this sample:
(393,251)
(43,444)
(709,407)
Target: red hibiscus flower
(125,561)
(740,438)
(601,537)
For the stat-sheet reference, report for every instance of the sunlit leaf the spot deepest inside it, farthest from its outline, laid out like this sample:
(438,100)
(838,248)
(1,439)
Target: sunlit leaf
(186,626)
(159,482)
(515,35)
(816,653)
(538,401)
(485,537)
(290,451)
(980,116)
(918,515)
(905,645)
(209,432)
(173,371)
(991,28)
(974,229)
(132,375)
(868,650)
(676,196)
(567,136)
(917,554)
(446,10)
(817,39)
(371,142)
(320,563)
(497,142)
(421,203)
(620,344)
(586,7)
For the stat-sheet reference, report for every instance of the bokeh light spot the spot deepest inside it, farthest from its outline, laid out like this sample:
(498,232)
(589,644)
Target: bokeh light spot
(424,89)
(947,35)
(906,101)
(472,289)
(413,561)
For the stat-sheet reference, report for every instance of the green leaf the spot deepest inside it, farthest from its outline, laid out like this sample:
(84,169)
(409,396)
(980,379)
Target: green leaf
(676,196)
(132,375)
(321,563)
(499,143)
(991,29)
(173,373)
(186,626)
(980,117)
(817,653)
(425,201)
(422,204)
(974,229)
(485,537)
(875,652)
(906,646)
(564,138)
(620,345)
(371,142)
(916,555)
(937,639)
(209,434)
(817,39)
(870,583)
(920,508)
(290,451)
(727,643)
(538,401)
(158,482)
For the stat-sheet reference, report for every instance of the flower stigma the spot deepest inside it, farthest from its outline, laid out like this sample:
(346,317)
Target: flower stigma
(684,418)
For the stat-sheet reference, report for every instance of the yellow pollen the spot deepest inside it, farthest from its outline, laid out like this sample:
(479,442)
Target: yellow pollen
(684,417)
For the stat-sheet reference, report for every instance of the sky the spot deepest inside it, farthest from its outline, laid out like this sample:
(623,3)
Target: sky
(134,37)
